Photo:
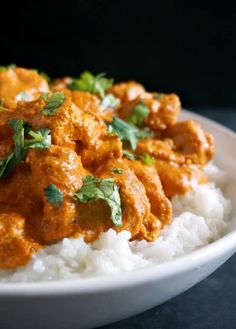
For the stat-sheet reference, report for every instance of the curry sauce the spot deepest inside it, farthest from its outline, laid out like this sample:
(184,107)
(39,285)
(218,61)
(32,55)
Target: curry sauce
(82,155)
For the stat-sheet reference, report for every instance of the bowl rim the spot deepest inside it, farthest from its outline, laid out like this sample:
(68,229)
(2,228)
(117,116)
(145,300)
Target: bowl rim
(92,285)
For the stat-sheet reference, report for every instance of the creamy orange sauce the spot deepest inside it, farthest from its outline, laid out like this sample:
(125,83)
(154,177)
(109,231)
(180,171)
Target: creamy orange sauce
(82,145)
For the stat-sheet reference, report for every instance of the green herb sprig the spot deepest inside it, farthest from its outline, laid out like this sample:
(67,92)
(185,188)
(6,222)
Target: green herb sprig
(139,113)
(105,189)
(54,195)
(53,102)
(41,139)
(118,170)
(95,84)
(127,132)
(145,157)
(129,155)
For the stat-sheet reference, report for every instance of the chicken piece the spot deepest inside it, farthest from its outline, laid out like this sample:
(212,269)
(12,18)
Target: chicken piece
(160,149)
(92,104)
(85,101)
(14,81)
(160,205)
(15,248)
(108,147)
(70,127)
(94,217)
(178,179)
(61,167)
(163,109)
(126,91)
(134,199)
(166,113)
(149,230)
(190,140)
(135,204)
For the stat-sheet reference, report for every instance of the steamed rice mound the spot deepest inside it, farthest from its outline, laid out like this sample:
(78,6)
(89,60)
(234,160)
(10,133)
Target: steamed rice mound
(199,217)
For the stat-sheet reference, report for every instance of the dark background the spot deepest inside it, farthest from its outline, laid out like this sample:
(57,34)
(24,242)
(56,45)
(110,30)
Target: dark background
(184,46)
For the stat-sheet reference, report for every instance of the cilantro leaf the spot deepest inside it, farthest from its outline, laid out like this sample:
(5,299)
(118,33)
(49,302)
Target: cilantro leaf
(18,138)
(129,155)
(7,164)
(41,140)
(139,113)
(127,132)
(91,83)
(53,102)
(54,195)
(147,159)
(118,170)
(110,101)
(106,189)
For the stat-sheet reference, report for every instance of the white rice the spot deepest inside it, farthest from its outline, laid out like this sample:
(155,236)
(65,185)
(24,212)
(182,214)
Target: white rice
(199,217)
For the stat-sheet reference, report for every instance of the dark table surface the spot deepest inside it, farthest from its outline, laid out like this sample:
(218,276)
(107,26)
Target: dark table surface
(209,305)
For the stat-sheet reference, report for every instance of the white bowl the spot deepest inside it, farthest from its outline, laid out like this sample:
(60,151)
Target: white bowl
(98,301)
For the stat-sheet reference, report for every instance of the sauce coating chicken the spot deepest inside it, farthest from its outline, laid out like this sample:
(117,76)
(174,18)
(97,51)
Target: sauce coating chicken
(82,156)
(163,109)
(62,167)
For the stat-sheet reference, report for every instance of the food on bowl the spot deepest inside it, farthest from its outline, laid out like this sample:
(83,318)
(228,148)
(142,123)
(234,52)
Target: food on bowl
(97,177)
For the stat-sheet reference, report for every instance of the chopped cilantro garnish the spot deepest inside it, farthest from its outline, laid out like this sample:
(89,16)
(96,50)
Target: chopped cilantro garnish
(118,170)
(91,83)
(129,155)
(41,140)
(147,159)
(18,138)
(106,189)
(139,113)
(7,164)
(53,102)
(54,195)
(127,132)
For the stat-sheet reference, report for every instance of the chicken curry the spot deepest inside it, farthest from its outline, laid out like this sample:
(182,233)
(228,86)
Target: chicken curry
(79,156)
